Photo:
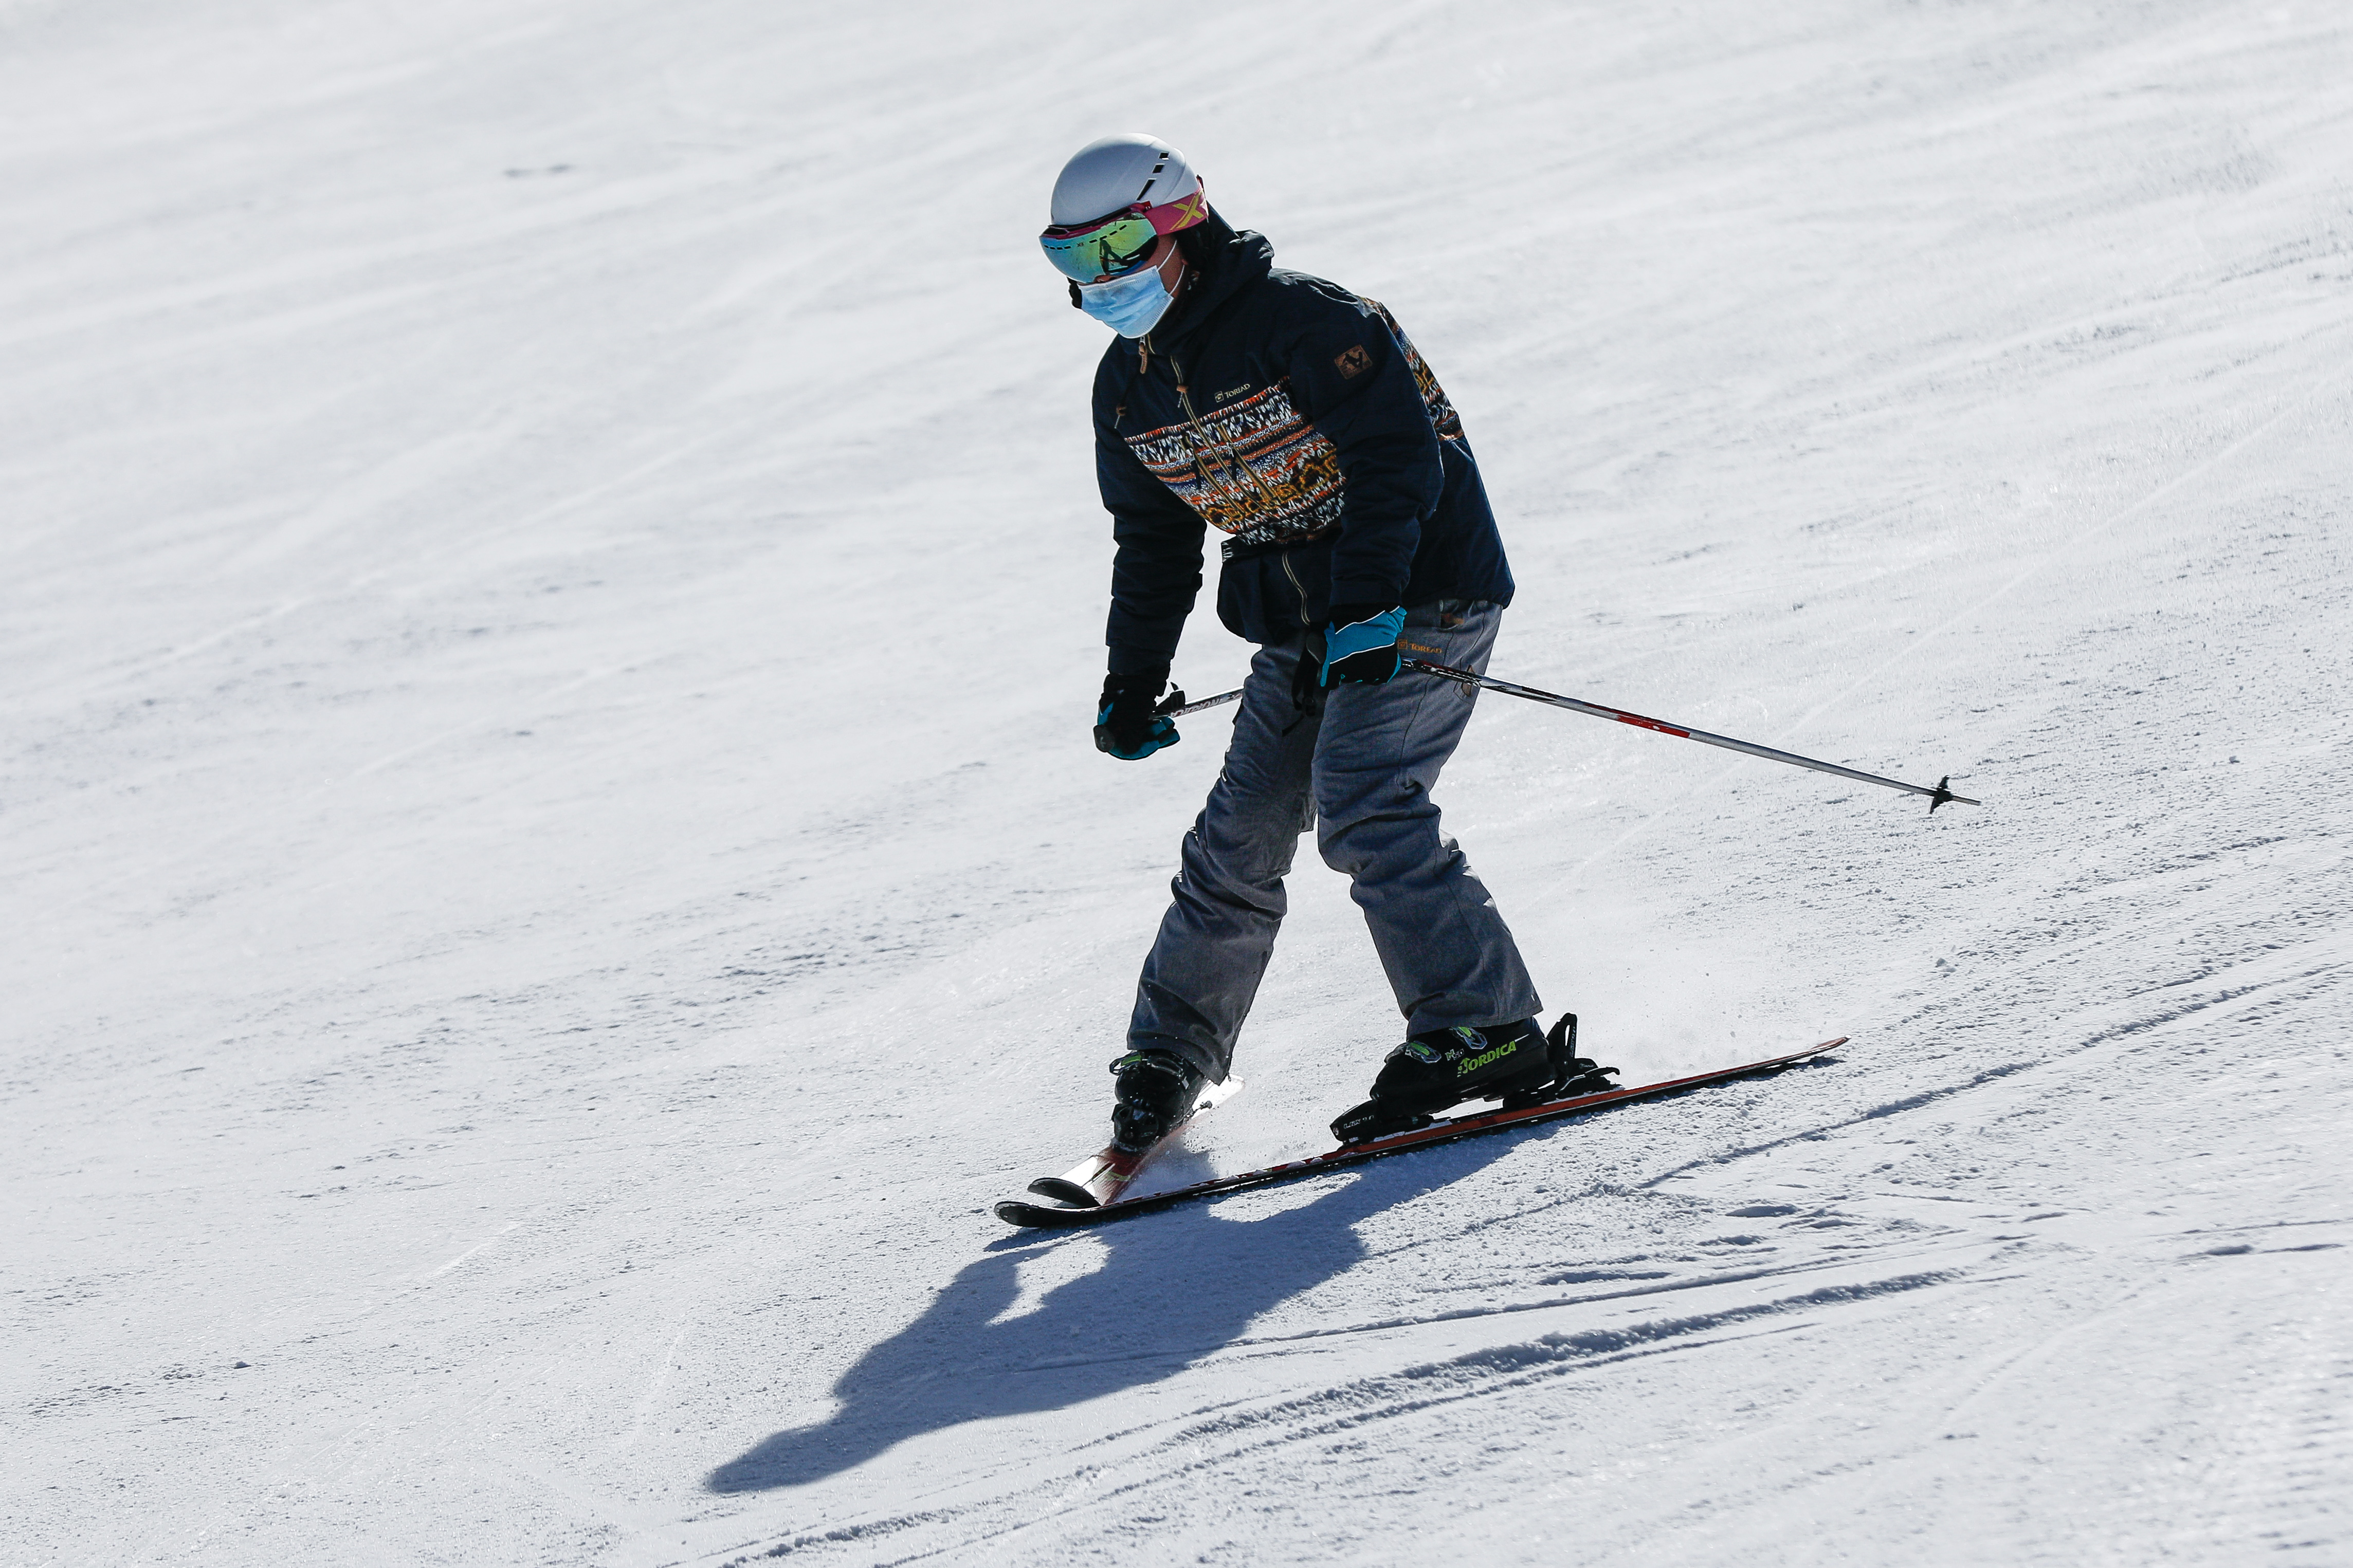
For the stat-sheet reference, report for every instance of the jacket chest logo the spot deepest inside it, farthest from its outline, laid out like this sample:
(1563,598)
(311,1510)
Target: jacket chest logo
(1233,391)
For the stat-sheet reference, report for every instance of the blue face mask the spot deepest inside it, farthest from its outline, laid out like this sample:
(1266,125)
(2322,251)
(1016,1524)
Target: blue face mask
(1129,306)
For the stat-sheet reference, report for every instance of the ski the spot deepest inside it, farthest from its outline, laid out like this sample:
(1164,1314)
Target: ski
(1101,1177)
(1105,1209)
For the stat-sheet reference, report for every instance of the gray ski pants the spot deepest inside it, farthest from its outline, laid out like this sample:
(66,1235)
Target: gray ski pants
(1360,772)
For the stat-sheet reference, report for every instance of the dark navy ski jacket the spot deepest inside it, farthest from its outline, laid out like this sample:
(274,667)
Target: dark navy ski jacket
(1297,419)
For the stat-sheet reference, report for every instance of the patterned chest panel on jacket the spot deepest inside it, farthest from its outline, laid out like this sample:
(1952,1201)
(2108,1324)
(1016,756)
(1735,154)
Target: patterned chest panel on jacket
(1255,469)
(1258,471)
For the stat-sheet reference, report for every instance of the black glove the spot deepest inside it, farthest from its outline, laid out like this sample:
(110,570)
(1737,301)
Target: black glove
(1127,724)
(1360,645)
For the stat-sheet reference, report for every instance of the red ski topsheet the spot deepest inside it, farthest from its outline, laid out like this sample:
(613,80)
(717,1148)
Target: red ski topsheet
(1047,1217)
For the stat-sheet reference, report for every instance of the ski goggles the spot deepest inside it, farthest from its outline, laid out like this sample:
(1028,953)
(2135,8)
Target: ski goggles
(1093,252)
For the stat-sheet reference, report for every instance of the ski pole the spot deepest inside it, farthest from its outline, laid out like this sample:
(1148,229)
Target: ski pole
(1175,707)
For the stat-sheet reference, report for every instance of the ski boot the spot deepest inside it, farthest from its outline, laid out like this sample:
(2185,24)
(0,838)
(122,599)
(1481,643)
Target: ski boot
(1157,1090)
(1443,1068)
(1519,1064)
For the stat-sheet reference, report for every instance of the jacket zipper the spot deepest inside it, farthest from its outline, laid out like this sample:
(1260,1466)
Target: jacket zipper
(1224,465)
(1185,397)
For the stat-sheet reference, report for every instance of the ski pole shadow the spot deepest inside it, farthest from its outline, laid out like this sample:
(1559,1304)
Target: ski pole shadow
(1175,1288)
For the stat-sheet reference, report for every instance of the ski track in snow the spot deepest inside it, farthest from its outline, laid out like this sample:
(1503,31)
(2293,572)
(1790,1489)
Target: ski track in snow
(555,867)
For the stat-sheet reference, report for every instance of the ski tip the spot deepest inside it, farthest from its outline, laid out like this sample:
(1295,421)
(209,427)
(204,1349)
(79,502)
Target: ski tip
(1807,1057)
(1037,1217)
(1064,1192)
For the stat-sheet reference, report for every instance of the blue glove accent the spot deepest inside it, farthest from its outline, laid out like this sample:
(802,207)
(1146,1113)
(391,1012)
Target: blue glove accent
(1363,652)
(1136,733)
(1162,732)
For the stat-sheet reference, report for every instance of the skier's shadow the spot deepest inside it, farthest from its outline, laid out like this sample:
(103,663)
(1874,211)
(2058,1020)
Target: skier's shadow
(1175,1287)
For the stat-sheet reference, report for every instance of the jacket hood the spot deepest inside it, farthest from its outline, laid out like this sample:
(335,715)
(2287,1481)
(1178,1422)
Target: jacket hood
(1228,260)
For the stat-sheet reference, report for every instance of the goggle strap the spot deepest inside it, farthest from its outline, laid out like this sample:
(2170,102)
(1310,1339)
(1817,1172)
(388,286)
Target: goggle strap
(1165,218)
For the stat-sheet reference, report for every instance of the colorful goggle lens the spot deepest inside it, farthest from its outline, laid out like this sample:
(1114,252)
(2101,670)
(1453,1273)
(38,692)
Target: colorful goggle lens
(1104,252)
(1093,252)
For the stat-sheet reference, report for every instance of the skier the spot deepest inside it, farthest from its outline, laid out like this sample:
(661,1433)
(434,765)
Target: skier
(1296,418)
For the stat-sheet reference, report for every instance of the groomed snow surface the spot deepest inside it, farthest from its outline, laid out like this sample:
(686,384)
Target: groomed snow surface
(554,868)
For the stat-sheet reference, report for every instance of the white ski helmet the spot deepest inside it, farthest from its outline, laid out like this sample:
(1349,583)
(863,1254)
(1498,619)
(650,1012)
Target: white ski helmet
(1117,173)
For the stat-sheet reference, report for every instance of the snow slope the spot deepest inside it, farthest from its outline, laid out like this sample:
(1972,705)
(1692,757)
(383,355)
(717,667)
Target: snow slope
(553,866)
